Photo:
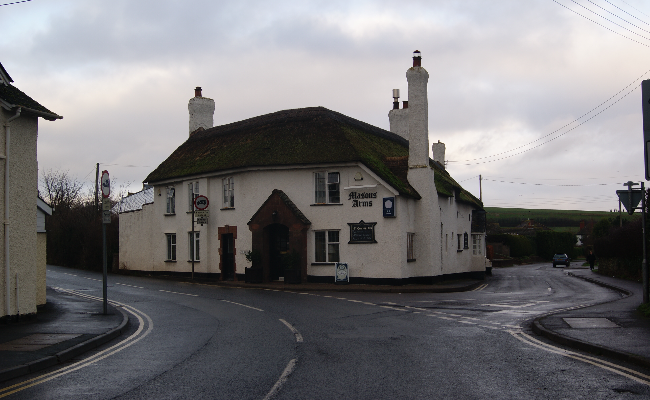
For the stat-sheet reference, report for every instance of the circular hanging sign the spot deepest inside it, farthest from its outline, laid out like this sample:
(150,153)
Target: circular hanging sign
(106,184)
(201,202)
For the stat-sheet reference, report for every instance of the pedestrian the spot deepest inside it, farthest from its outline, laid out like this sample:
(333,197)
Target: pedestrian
(591,258)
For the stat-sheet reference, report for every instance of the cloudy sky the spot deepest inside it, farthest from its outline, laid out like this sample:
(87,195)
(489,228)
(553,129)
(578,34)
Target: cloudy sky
(540,97)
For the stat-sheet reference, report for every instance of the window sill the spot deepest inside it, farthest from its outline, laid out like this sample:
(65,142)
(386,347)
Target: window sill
(169,214)
(195,261)
(410,260)
(227,208)
(323,263)
(459,251)
(326,204)
(170,261)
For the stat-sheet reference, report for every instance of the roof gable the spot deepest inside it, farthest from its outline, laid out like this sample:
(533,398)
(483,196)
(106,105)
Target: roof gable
(11,97)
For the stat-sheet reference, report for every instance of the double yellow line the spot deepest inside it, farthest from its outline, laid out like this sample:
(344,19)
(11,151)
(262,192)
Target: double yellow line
(138,335)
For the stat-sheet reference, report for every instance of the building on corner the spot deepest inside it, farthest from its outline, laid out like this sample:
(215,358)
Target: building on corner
(312,183)
(22,272)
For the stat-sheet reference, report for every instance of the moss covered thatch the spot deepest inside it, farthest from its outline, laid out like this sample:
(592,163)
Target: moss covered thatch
(297,137)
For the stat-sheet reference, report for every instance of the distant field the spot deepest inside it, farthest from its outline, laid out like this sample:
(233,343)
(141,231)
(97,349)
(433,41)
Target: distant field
(508,217)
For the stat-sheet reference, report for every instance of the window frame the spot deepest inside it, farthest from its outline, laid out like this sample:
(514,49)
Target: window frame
(327,244)
(170,239)
(330,192)
(477,247)
(410,246)
(192,193)
(171,200)
(228,186)
(194,248)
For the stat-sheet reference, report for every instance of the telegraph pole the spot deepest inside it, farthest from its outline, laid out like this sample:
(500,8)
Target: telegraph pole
(480,188)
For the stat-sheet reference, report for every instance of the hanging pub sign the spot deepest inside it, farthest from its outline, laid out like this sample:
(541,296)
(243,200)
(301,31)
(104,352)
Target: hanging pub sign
(389,207)
(362,232)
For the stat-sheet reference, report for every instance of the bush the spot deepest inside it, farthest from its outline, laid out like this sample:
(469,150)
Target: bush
(520,246)
(550,243)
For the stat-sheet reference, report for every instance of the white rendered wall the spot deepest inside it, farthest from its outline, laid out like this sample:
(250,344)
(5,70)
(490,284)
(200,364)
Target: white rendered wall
(385,259)
(23,177)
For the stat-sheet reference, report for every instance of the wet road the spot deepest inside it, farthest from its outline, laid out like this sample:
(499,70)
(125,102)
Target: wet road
(197,341)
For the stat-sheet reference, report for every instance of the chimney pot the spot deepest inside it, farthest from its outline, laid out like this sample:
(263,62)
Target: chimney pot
(406,104)
(197,92)
(417,58)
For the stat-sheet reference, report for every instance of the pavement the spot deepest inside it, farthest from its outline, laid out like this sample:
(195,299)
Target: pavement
(68,325)
(613,329)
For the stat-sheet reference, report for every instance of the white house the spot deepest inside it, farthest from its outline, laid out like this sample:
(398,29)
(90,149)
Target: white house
(22,268)
(313,183)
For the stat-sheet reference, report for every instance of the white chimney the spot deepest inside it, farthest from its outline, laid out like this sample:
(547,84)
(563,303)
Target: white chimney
(418,114)
(397,118)
(438,150)
(201,111)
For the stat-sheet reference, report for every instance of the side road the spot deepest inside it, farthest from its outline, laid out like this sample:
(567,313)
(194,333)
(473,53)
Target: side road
(67,327)
(614,329)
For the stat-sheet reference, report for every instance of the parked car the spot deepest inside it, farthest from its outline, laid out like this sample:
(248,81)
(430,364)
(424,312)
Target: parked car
(561,259)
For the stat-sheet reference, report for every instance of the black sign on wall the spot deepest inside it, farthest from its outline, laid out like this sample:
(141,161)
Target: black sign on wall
(362,232)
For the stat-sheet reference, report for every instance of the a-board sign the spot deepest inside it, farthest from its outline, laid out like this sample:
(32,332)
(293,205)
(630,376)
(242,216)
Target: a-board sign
(342,274)
(362,232)
(201,202)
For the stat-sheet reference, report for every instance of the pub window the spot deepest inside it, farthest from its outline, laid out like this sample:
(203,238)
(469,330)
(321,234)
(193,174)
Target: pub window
(327,188)
(459,248)
(410,250)
(192,192)
(171,200)
(326,246)
(194,246)
(171,246)
(477,248)
(228,192)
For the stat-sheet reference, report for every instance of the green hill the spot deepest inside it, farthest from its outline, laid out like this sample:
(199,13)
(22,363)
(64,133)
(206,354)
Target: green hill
(510,217)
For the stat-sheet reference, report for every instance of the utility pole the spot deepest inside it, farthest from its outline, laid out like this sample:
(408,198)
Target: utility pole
(480,188)
(97,189)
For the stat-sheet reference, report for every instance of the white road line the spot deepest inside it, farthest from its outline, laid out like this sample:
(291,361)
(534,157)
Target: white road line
(294,330)
(617,369)
(131,340)
(283,378)
(184,294)
(243,305)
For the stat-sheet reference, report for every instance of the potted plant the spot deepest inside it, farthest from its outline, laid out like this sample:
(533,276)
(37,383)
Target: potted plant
(254,273)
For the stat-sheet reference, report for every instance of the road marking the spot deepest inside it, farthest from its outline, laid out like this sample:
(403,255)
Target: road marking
(617,369)
(294,330)
(243,305)
(184,294)
(131,340)
(124,284)
(283,378)
(483,286)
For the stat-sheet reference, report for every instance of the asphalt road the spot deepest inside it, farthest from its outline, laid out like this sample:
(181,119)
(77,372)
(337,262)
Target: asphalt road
(192,341)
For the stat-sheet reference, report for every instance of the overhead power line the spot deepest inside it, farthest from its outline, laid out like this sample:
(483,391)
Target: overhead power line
(636,9)
(599,24)
(609,20)
(15,2)
(561,128)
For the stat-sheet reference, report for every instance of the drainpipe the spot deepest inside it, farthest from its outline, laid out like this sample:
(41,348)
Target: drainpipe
(6,213)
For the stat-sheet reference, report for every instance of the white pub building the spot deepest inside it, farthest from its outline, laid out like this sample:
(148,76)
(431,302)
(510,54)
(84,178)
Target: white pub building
(305,189)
